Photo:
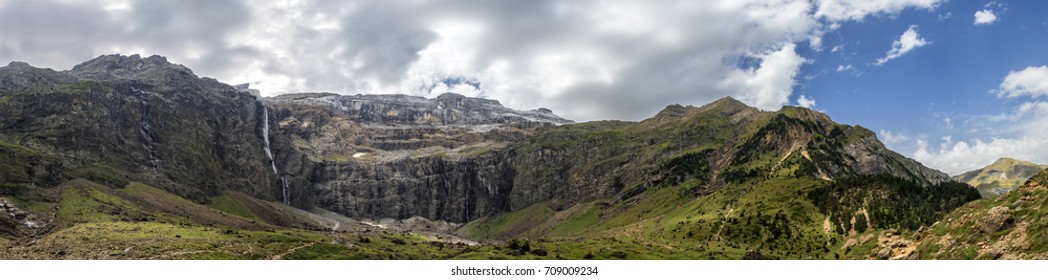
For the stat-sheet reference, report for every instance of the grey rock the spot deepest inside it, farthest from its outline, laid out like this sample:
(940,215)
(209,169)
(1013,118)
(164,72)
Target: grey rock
(996,219)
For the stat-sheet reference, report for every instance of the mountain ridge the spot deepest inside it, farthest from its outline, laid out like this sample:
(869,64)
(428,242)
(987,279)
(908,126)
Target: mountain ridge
(684,178)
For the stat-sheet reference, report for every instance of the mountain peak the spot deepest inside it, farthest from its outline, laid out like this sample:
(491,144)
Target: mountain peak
(126,67)
(450,95)
(1006,163)
(726,101)
(16,64)
(1010,161)
(1001,176)
(726,104)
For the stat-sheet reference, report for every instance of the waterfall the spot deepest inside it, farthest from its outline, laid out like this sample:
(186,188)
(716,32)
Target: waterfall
(283,181)
(144,130)
(265,140)
(269,154)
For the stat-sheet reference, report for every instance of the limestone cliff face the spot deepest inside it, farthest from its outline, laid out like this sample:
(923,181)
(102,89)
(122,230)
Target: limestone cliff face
(396,156)
(432,187)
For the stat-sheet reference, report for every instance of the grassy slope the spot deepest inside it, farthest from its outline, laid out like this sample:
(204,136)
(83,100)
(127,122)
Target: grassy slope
(771,217)
(957,236)
(95,221)
(767,210)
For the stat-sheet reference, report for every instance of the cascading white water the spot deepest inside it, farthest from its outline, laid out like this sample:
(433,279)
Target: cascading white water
(144,130)
(269,154)
(265,140)
(283,181)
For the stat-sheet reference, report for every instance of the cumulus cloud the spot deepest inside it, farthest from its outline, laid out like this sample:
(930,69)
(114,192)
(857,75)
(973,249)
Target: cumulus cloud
(805,102)
(840,10)
(842,68)
(1032,81)
(908,41)
(963,156)
(60,34)
(769,85)
(985,17)
(585,60)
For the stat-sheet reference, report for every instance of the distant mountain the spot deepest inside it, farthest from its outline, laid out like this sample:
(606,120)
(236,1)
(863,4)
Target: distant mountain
(1001,176)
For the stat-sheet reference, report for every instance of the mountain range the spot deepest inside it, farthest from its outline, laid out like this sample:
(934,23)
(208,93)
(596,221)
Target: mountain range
(128,157)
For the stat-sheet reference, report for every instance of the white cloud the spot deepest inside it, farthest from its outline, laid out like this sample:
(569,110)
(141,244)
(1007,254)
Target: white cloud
(1018,134)
(840,10)
(805,102)
(908,41)
(837,48)
(891,138)
(842,68)
(944,17)
(985,17)
(1032,81)
(963,156)
(769,86)
(585,60)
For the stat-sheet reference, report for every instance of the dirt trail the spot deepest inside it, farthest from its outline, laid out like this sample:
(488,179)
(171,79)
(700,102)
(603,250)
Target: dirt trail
(292,250)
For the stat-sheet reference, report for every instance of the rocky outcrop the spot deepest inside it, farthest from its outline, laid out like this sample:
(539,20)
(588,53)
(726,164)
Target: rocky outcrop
(998,218)
(15,222)
(1005,227)
(892,246)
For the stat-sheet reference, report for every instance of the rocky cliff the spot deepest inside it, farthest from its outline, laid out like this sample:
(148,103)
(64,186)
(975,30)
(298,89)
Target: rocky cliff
(396,156)
(120,118)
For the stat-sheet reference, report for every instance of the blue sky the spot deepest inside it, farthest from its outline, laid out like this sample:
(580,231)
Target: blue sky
(945,88)
(935,84)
